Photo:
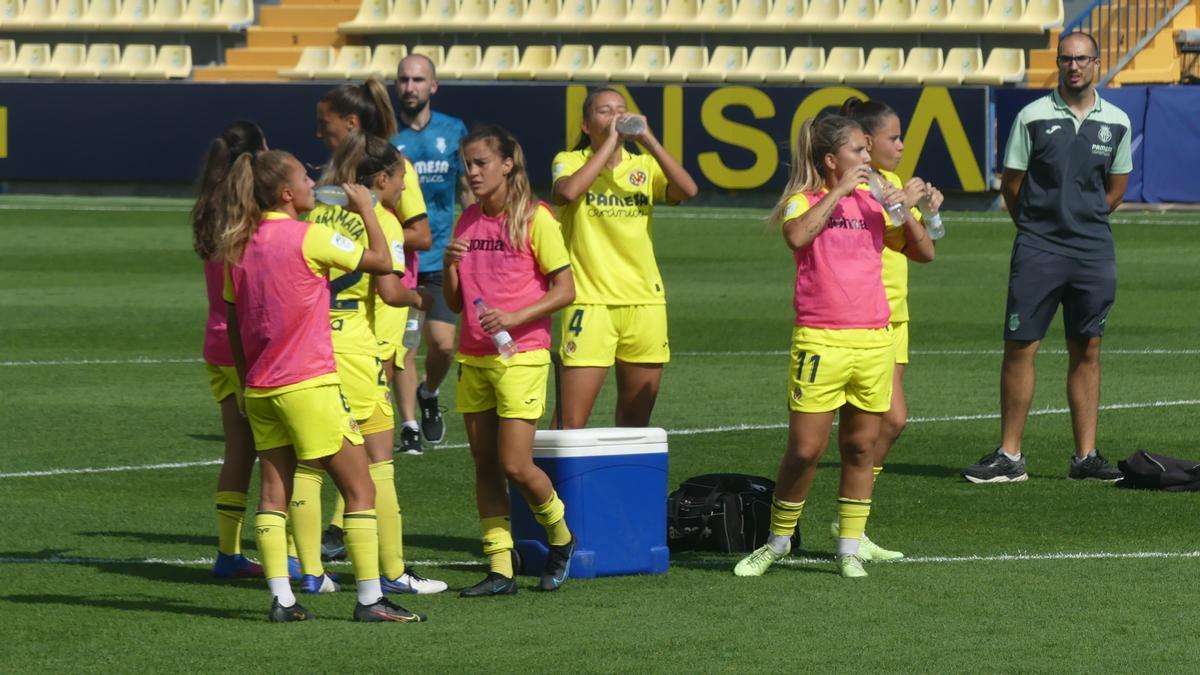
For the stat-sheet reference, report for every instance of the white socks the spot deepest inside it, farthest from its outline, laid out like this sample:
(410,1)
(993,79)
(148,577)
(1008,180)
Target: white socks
(369,591)
(779,543)
(412,424)
(281,588)
(848,546)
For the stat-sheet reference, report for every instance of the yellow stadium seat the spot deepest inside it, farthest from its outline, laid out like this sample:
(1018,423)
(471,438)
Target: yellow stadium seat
(857,14)
(100,14)
(881,62)
(10,10)
(960,62)
(644,13)
(685,60)
(67,14)
(29,56)
(385,60)
(748,15)
(534,60)
(571,60)
(679,15)
(929,15)
(966,15)
(66,56)
(435,53)
(373,16)
(234,15)
(1004,66)
(133,58)
(1003,16)
(609,15)
(311,60)
(539,13)
(839,63)
(33,15)
(507,15)
(471,15)
(611,62)
(8,52)
(762,61)
(500,62)
(461,61)
(100,57)
(349,59)
(919,63)
(437,16)
(893,14)
(724,61)
(647,60)
(785,16)
(801,62)
(198,14)
(167,14)
(715,14)
(1043,14)
(172,62)
(133,14)
(821,14)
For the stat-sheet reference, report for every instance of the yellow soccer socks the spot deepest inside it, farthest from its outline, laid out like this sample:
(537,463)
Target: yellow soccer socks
(498,544)
(305,514)
(784,516)
(339,508)
(231,513)
(551,516)
(361,530)
(387,509)
(270,534)
(875,471)
(852,522)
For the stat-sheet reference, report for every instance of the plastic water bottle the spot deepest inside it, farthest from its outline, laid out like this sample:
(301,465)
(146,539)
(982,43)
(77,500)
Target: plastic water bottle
(505,345)
(412,328)
(633,125)
(933,219)
(896,212)
(334,195)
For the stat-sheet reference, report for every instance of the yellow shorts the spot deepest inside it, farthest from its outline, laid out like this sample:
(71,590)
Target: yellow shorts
(900,340)
(598,335)
(389,329)
(823,378)
(223,380)
(516,391)
(313,421)
(365,386)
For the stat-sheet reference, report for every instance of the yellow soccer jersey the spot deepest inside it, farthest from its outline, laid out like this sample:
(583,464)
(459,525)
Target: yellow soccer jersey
(352,293)
(608,230)
(412,203)
(387,321)
(895,263)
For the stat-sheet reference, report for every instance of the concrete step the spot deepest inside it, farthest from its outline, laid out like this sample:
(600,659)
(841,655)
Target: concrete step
(263,57)
(258,36)
(236,74)
(306,16)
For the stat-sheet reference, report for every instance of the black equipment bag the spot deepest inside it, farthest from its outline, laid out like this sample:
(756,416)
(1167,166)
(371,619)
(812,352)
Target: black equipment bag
(1148,471)
(723,512)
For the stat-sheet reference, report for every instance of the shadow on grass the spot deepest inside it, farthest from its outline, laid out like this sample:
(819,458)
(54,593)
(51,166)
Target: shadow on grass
(157,537)
(212,438)
(444,542)
(813,562)
(141,603)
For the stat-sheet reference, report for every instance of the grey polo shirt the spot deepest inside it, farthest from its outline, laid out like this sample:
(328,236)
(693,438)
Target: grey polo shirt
(1062,206)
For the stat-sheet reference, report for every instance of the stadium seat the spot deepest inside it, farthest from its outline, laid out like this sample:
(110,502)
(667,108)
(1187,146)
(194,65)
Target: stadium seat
(9,11)
(539,13)
(723,62)
(801,62)
(8,52)
(134,58)
(881,62)
(749,15)
(642,13)
(762,61)
(461,60)
(960,62)
(715,14)
(100,14)
(435,53)
(167,14)
(349,58)
(534,60)
(648,59)
(785,16)
(101,57)
(921,62)
(856,14)
(173,62)
(235,15)
(34,14)
(611,62)
(133,15)
(839,63)
(1004,66)
(679,15)
(607,15)
(507,15)
(1002,16)
(685,60)
(1043,14)
(66,56)
(500,62)
(436,16)
(929,15)
(198,14)
(385,60)
(571,60)
(893,13)
(471,15)
(311,60)
(820,14)
(66,14)
(965,15)
(29,56)
(373,16)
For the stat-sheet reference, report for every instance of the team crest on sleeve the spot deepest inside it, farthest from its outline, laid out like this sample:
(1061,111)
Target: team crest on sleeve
(637,178)
(441,144)
(398,251)
(1105,133)
(343,242)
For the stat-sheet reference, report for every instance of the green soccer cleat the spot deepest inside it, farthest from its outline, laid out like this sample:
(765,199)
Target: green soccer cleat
(755,564)
(851,567)
(868,550)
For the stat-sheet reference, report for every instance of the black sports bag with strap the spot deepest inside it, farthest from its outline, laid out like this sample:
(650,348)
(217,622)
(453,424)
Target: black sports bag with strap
(722,512)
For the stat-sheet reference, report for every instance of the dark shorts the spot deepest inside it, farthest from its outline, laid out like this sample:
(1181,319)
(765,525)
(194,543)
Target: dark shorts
(1039,281)
(441,311)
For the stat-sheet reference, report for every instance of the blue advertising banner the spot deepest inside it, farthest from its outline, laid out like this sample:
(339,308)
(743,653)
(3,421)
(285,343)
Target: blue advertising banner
(730,137)
(1173,140)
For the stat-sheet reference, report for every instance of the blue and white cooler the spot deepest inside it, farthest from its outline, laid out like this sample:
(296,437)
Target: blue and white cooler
(614,485)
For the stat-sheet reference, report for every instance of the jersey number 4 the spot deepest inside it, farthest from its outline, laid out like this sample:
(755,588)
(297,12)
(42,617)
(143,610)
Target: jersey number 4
(575,325)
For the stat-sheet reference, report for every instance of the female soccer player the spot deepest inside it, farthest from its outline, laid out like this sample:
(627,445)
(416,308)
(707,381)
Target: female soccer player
(278,288)
(508,266)
(882,127)
(237,139)
(372,162)
(607,195)
(368,107)
(842,353)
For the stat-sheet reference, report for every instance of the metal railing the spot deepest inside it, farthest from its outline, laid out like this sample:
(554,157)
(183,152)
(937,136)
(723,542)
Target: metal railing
(1123,28)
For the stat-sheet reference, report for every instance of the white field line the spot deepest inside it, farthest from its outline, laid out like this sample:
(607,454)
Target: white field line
(148,361)
(670,432)
(85,208)
(705,562)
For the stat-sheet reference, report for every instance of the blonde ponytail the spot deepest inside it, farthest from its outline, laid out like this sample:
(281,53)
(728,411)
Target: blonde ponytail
(816,139)
(520,204)
(251,188)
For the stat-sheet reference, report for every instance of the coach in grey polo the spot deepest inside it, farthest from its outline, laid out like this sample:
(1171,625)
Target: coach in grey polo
(1065,169)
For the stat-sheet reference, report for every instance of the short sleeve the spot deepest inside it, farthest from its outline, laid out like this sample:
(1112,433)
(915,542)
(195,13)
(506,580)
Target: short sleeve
(795,207)
(658,180)
(565,164)
(1123,159)
(1016,153)
(393,231)
(412,201)
(227,290)
(546,240)
(325,249)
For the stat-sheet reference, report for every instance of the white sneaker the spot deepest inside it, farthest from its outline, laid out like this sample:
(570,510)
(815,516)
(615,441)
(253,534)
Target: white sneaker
(411,582)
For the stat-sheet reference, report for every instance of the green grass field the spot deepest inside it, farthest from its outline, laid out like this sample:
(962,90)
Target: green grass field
(110,439)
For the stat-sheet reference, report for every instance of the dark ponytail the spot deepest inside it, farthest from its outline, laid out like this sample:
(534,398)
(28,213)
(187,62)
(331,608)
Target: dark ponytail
(870,114)
(369,101)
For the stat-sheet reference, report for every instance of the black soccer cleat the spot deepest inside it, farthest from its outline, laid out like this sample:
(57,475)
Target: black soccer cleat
(1093,467)
(281,614)
(558,566)
(433,424)
(493,584)
(996,467)
(384,610)
(333,544)
(410,442)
